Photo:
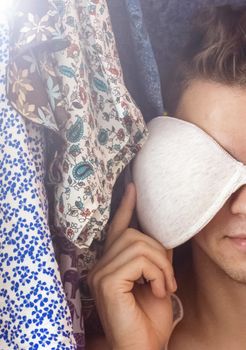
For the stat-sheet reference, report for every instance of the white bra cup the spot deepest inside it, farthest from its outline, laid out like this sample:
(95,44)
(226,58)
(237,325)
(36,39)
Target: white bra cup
(182,177)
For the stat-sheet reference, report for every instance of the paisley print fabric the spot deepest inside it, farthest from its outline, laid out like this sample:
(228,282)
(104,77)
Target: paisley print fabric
(74,265)
(65,74)
(33,310)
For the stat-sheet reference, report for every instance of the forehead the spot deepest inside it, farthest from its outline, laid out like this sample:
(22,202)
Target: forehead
(218,109)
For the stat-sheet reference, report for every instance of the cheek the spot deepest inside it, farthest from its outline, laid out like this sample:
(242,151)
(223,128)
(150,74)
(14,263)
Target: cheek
(202,239)
(207,239)
(211,240)
(215,230)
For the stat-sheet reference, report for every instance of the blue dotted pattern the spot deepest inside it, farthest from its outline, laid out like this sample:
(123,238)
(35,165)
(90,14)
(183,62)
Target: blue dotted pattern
(33,310)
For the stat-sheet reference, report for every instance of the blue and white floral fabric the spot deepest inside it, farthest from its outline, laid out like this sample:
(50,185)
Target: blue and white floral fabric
(33,310)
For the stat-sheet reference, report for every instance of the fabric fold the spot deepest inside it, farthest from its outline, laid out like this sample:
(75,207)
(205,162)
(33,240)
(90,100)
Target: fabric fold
(33,309)
(77,91)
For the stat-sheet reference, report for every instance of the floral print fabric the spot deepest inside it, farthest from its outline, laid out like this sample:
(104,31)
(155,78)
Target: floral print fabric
(33,310)
(65,74)
(74,264)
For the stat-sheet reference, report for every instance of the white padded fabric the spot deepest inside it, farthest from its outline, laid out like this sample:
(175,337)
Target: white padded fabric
(183,177)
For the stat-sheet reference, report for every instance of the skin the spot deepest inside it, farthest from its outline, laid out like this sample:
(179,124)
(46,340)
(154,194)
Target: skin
(216,319)
(134,315)
(212,287)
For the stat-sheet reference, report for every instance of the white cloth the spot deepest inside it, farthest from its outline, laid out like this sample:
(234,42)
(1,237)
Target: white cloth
(183,178)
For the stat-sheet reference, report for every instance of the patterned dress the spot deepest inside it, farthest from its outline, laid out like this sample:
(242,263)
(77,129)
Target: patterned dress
(33,310)
(64,76)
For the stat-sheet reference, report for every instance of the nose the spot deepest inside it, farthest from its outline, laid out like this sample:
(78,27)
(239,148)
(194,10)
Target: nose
(238,201)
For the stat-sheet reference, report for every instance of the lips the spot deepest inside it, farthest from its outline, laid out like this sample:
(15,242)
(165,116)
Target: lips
(237,236)
(238,240)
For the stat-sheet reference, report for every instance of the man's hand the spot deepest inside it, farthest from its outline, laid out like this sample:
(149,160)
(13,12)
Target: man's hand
(135,314)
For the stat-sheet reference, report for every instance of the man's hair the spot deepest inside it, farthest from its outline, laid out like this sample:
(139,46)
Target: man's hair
(216,51)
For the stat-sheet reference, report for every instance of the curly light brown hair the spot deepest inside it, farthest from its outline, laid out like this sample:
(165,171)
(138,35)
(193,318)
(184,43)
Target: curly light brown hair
(216,51)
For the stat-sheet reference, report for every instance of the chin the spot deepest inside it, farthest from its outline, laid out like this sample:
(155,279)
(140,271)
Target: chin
(226,256)
(233,264)
(237,275)
(235,260)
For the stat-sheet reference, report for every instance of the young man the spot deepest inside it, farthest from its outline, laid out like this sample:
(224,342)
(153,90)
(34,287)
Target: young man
(209,90)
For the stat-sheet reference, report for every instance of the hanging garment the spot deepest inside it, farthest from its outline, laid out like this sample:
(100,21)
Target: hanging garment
(137,57)
(33,308)
(78,93)
(74,265)
(65,74)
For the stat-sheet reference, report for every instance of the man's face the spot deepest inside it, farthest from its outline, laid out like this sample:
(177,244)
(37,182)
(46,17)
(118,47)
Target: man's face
(221,111)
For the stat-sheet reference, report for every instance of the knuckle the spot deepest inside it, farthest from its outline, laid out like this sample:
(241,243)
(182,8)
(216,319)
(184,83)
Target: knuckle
(142,261)
(166,266)
(131,232)
(131,235)
(140,246)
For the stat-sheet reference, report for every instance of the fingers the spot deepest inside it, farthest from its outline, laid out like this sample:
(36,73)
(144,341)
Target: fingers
(123,215)
(144,268)
(140,250)
(131,255)
(121,281)
(125,240)
(133,243)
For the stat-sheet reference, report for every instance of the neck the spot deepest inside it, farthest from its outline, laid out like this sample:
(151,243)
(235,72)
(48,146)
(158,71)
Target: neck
(218,302)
